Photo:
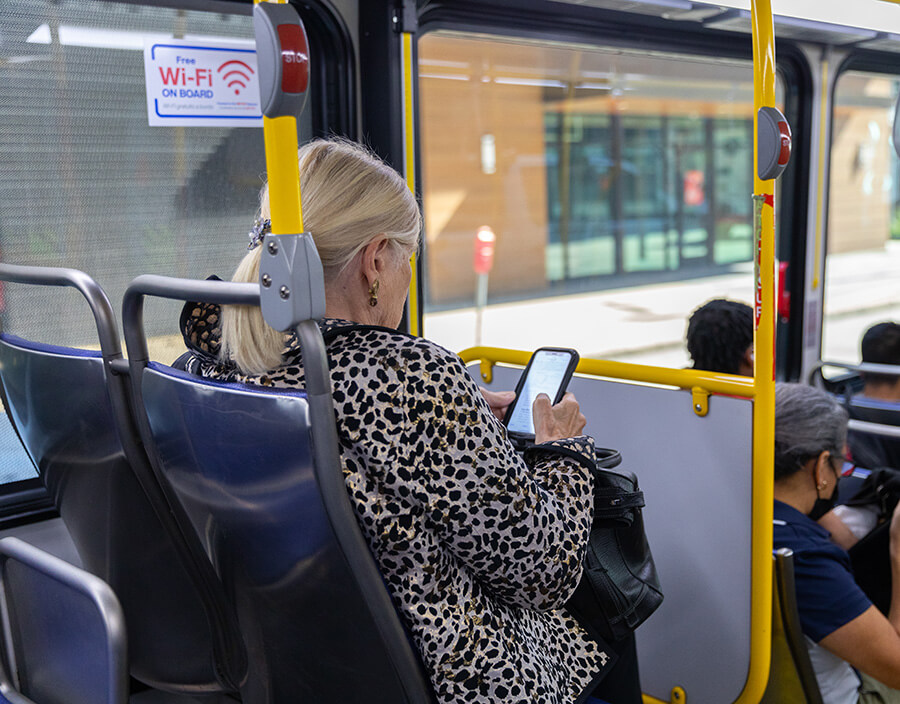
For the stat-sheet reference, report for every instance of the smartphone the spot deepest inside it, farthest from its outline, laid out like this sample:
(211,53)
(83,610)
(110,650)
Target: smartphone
(548,372)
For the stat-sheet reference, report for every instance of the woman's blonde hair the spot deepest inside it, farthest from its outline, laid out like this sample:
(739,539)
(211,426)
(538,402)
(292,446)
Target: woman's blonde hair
(349,197)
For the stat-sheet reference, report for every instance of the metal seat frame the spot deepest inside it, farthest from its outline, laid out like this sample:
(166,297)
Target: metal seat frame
(184,584)
(63,632)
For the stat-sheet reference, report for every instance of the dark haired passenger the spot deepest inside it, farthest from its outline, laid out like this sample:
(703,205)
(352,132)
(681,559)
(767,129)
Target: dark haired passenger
(854,648)
(881,345)
(720,337)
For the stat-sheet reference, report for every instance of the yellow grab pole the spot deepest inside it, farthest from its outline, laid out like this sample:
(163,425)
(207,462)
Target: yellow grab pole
(283,169)
(284,174)
(820,178)
(409,164)
(764,369)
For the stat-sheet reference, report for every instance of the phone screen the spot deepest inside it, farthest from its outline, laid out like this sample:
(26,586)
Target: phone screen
(545,375)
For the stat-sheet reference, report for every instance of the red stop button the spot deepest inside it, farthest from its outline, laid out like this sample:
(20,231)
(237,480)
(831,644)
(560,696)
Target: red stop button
(784,296)
(294,58)
(784,134)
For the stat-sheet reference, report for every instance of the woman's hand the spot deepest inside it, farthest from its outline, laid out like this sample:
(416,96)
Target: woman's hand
(564,420)
(498,401)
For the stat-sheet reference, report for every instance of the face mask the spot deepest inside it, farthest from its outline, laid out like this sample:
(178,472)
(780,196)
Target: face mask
(823,506)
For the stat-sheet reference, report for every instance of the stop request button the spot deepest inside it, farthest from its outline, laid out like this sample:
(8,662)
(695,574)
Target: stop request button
(294,58)
(282,56)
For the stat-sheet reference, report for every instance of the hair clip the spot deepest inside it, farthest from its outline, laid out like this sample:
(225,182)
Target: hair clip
(260,229)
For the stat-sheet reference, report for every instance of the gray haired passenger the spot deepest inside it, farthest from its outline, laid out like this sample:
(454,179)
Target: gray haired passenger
(854,648)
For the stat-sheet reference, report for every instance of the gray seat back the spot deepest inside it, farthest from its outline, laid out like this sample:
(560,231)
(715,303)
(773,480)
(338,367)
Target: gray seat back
(239,459)
(73,416)
(65,628)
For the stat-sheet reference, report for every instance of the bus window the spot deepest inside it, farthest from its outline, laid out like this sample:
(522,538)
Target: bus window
(616,184)
(87,183)
(861,282)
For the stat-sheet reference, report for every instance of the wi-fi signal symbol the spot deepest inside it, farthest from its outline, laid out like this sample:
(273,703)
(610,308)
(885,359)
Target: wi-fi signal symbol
(236,74)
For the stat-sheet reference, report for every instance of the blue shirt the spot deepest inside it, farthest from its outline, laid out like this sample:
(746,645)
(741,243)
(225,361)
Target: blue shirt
(827,595)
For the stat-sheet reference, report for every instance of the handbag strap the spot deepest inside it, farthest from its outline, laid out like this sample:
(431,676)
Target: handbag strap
(607,458)
(614,503)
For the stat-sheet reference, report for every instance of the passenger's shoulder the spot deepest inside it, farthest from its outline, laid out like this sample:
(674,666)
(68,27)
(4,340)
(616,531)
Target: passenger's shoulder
(429,357)
(388,341)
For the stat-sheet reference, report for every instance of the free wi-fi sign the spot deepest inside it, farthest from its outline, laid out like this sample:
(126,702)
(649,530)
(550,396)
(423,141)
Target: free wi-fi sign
(201,83)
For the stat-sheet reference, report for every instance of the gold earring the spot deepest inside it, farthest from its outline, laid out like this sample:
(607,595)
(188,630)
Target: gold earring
(373,293)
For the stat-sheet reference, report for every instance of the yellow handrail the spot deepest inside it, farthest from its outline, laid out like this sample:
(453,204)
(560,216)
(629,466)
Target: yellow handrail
(683,378)
(283,169)
(763,371)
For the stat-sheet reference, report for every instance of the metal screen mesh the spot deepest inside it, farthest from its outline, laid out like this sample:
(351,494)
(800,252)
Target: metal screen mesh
(86,183)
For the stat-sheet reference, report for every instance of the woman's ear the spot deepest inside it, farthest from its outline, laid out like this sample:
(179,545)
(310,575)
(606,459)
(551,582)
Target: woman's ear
(822,472)
(374,259)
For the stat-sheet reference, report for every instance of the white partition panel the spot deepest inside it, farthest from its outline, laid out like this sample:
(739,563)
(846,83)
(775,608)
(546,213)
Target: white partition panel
(696,476)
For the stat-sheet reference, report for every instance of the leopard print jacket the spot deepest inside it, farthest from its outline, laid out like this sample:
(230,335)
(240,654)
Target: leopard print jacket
(479,548)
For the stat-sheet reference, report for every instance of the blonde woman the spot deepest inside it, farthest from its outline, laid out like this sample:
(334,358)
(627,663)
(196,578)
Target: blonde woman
(479,548)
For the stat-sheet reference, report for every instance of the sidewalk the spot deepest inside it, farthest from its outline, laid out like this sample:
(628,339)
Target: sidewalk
(646,324)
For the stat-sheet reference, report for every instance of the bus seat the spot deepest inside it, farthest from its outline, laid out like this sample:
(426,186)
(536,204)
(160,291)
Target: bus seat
(266,495)
(846,382)
(74,419)
(791,676)
(66,629)
(870,449)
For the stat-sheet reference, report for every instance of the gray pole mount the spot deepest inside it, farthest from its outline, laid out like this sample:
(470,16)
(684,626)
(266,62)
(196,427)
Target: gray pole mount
(292,283)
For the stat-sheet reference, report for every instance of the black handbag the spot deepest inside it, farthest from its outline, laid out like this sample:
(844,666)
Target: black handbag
(619,588)
(870,557)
